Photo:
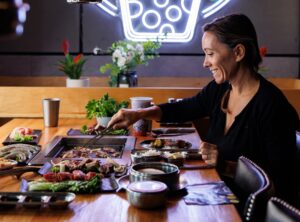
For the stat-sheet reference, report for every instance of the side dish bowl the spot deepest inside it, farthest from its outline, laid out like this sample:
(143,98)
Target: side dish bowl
(163,172)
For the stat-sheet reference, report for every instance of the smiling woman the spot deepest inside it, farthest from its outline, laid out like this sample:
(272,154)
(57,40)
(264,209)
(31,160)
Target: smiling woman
(249,116)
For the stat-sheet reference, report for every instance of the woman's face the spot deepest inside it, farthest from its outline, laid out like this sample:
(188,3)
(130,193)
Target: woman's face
(219,58)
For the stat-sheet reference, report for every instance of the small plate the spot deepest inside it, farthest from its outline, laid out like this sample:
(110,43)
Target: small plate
(107,185)
(167,144)
(36,134)
(20,152)
(36,199)
(6,164)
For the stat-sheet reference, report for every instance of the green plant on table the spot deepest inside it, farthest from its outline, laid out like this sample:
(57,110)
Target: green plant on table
(106,106)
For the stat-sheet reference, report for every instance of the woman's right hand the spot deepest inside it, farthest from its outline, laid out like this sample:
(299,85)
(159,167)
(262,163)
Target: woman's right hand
(126,117)
(123,119)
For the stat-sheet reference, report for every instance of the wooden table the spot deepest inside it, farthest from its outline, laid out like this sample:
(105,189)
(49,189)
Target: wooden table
(113,206)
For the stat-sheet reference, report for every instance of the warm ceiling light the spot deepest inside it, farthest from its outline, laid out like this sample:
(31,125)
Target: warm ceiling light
(84,1)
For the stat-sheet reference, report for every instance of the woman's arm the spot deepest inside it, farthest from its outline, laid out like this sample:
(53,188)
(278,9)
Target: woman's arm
(126,117)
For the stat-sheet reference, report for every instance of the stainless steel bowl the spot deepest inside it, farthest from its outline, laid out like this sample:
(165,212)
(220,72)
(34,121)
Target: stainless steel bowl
(139,156)
(147,194)
(165,172)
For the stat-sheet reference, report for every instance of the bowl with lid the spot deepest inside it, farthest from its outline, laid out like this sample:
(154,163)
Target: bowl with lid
(164,172)
(146,194)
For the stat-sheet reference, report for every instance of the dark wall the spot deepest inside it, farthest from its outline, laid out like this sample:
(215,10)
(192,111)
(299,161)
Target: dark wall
(50,21)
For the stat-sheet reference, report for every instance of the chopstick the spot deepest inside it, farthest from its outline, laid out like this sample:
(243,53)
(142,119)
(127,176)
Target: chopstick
(97,137)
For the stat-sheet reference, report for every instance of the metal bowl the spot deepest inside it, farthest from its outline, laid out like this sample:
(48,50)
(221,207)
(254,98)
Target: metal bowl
(139,156)
(147,194)
(164,172)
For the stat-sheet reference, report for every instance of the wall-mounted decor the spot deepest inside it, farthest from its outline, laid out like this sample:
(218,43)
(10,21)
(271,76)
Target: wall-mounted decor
(169,21)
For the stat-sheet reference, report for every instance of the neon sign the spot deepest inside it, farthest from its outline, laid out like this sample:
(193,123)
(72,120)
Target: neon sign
(167,20)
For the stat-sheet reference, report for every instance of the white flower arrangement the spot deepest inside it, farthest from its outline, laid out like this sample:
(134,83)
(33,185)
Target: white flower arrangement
(126,55)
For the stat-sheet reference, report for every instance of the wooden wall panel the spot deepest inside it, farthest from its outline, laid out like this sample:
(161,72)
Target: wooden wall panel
(103,81)
(27,101)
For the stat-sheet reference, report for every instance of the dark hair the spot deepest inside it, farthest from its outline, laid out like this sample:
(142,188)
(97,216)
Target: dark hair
(237,29)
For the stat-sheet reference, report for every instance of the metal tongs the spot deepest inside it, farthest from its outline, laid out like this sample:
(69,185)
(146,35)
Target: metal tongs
(97,137)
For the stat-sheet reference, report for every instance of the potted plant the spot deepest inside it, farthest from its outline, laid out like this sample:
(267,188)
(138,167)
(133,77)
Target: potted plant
(126,55)
(72,67)
(103,109)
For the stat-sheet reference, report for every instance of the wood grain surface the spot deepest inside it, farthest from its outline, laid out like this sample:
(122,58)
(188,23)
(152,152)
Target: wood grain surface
(27,101)
(113,206)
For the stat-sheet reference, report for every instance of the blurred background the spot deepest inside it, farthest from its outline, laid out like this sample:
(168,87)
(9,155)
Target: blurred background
(36,53)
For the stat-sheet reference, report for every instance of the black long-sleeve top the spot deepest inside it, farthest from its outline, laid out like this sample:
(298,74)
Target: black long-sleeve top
(264,131)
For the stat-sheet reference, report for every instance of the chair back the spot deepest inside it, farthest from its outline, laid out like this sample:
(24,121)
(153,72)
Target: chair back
(298,166)
(279,210)
(254,189)
(298,147)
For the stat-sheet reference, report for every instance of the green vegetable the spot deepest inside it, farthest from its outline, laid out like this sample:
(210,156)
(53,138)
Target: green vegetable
(20,138)
(62,186)
(91,186)
(55,169)
(118,132)
(39,186)
(104,107)
(84,129)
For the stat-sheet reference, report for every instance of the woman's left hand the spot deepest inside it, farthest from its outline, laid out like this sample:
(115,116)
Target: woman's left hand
(209,153)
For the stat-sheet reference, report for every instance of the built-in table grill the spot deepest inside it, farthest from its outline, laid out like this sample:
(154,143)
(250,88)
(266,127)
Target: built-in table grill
(61,144)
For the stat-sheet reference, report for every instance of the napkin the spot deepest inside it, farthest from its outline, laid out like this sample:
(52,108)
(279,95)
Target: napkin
(213,193)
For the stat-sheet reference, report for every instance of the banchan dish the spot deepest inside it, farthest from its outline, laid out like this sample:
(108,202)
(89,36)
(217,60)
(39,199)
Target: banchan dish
(35,135)
(166,144)
(35,199)
(139,156)
(164,172)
